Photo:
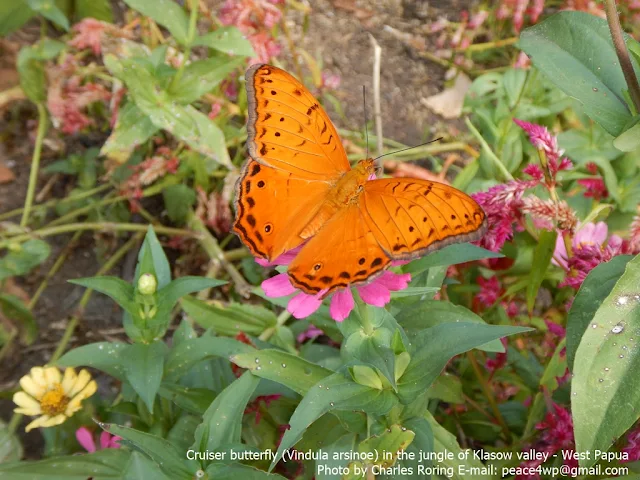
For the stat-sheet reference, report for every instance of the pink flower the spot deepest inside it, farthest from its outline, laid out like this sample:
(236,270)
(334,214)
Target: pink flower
(594,188)
(330,81)
(376,293)
(478,19)
(250,14)
(89,33)
(587,234)
(265,47)
(85,439)
(309,334)
(632,449)
(522,61)
(499,360)
(489,291)
(634,234)
(540,138)
(216,107)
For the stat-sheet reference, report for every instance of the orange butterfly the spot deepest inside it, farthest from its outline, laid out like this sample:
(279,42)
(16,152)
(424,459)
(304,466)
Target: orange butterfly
(298,187)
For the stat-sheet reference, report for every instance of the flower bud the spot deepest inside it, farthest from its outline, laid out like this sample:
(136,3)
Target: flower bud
(366,376)
(147,284)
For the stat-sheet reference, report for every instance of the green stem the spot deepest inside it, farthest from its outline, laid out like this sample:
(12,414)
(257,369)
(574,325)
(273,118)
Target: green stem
(191,33)
(35,164)
(14,422)
(487,149)
(364,311)
(622,52)
(73,323)
(104,226)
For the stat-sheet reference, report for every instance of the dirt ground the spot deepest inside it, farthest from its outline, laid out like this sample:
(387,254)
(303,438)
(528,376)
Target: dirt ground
(337,33)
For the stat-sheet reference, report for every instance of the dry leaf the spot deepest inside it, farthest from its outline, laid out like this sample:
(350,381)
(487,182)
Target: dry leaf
(448,103)
(6,174)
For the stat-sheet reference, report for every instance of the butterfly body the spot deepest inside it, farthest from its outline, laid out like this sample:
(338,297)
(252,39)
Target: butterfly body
(298,186)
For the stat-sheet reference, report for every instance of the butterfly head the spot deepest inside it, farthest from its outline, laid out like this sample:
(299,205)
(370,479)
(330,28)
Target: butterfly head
(366,168)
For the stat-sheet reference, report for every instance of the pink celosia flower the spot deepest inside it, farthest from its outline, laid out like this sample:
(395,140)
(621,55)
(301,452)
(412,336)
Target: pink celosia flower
(376,293)
(634,234)
(632,448)
(543,140)
(86,440)
(330,81)
(265,47)
(489,291)
(499,360)
(548,211)
(309,334)
(502,204)
(522,61)
(216,107)
(478,19)
(250,14)
(594,188)
(89,33)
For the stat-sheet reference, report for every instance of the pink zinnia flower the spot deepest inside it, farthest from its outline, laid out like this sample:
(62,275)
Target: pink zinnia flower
(86,440)
(632,448)
(376,293)
(587,234)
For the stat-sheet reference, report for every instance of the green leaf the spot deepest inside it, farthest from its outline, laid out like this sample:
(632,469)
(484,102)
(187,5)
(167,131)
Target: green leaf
(115,288)
(172,461)
(373,350)
(541,260)
(169,295)
(233,471)
(202,76)
(105,356)
(629,140)
(195,400)
(184,356)
(451,255)
(513,82)
(229,40)
(429,313)
(445,444)
(282,367)
(435,346)
(605,387)
(178,199)
(133,128)
(13,15)
(387,443)
(31,69)
(10,446)
(143,365)
(422,444)
(49,10)
(17,312)
(22,258)
(447,388)
(222,422)
(152,259)
(185,122)
(101,465)
(140,466)
(575,52)
(229,319)
(594,289)
(333,393)
(167,13)
(98,9)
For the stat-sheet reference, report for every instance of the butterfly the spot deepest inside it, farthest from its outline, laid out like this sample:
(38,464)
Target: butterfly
(298,188)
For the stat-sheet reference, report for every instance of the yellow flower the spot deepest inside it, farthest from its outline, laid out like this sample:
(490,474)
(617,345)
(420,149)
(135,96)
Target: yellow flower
(53,397)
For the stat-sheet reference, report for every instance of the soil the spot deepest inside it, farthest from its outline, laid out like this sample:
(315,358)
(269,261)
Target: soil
(337,32)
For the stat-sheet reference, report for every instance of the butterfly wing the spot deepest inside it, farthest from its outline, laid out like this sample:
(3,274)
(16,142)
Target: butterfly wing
(272,208)
(344,252)
(288,129)
(411,217)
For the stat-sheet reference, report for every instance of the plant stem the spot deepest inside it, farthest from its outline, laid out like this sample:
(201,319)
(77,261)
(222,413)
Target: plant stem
(73,323)
(191,33)
(485,146)
(105,226)
(35,164)
(622,52)
(486,388)
(363,310)
(480,47)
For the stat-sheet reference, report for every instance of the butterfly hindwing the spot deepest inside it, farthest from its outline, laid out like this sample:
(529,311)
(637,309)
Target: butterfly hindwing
(411,217)
(343,253)
(288,129)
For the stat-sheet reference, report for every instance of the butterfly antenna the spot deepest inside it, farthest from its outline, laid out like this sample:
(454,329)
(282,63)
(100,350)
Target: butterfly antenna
(409,148)
(364,108)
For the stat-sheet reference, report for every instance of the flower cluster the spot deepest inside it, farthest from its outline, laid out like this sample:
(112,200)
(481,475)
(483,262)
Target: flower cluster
(106,440)
(457,36)
(254,18)
(52,397)
(301,305)
(91,33)
(517,9)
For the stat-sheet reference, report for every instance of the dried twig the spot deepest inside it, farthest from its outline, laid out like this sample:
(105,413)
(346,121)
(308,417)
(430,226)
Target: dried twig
(377,53)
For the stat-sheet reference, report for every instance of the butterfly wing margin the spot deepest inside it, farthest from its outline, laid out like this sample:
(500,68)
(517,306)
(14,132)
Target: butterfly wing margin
(288,129)
(411,217)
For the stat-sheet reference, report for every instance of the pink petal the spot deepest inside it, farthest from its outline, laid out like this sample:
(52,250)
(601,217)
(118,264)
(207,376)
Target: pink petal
(560,253)
(341,305)
(397,263)
(394,281)
(285,259)
(375,294)
(105,440)
(303,305)
(85,439)
(114,442)
(278,286)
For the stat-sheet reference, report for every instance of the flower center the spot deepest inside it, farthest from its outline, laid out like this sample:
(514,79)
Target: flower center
(54,402)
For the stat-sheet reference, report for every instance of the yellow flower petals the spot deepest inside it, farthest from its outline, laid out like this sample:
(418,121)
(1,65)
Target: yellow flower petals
(28,405)
(84,377)
(69,380)
(38,422)
(52,375)
(74,404)
(34,389)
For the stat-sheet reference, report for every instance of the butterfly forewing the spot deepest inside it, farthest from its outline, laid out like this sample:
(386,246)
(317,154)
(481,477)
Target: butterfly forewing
(288,129)
(411,217)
